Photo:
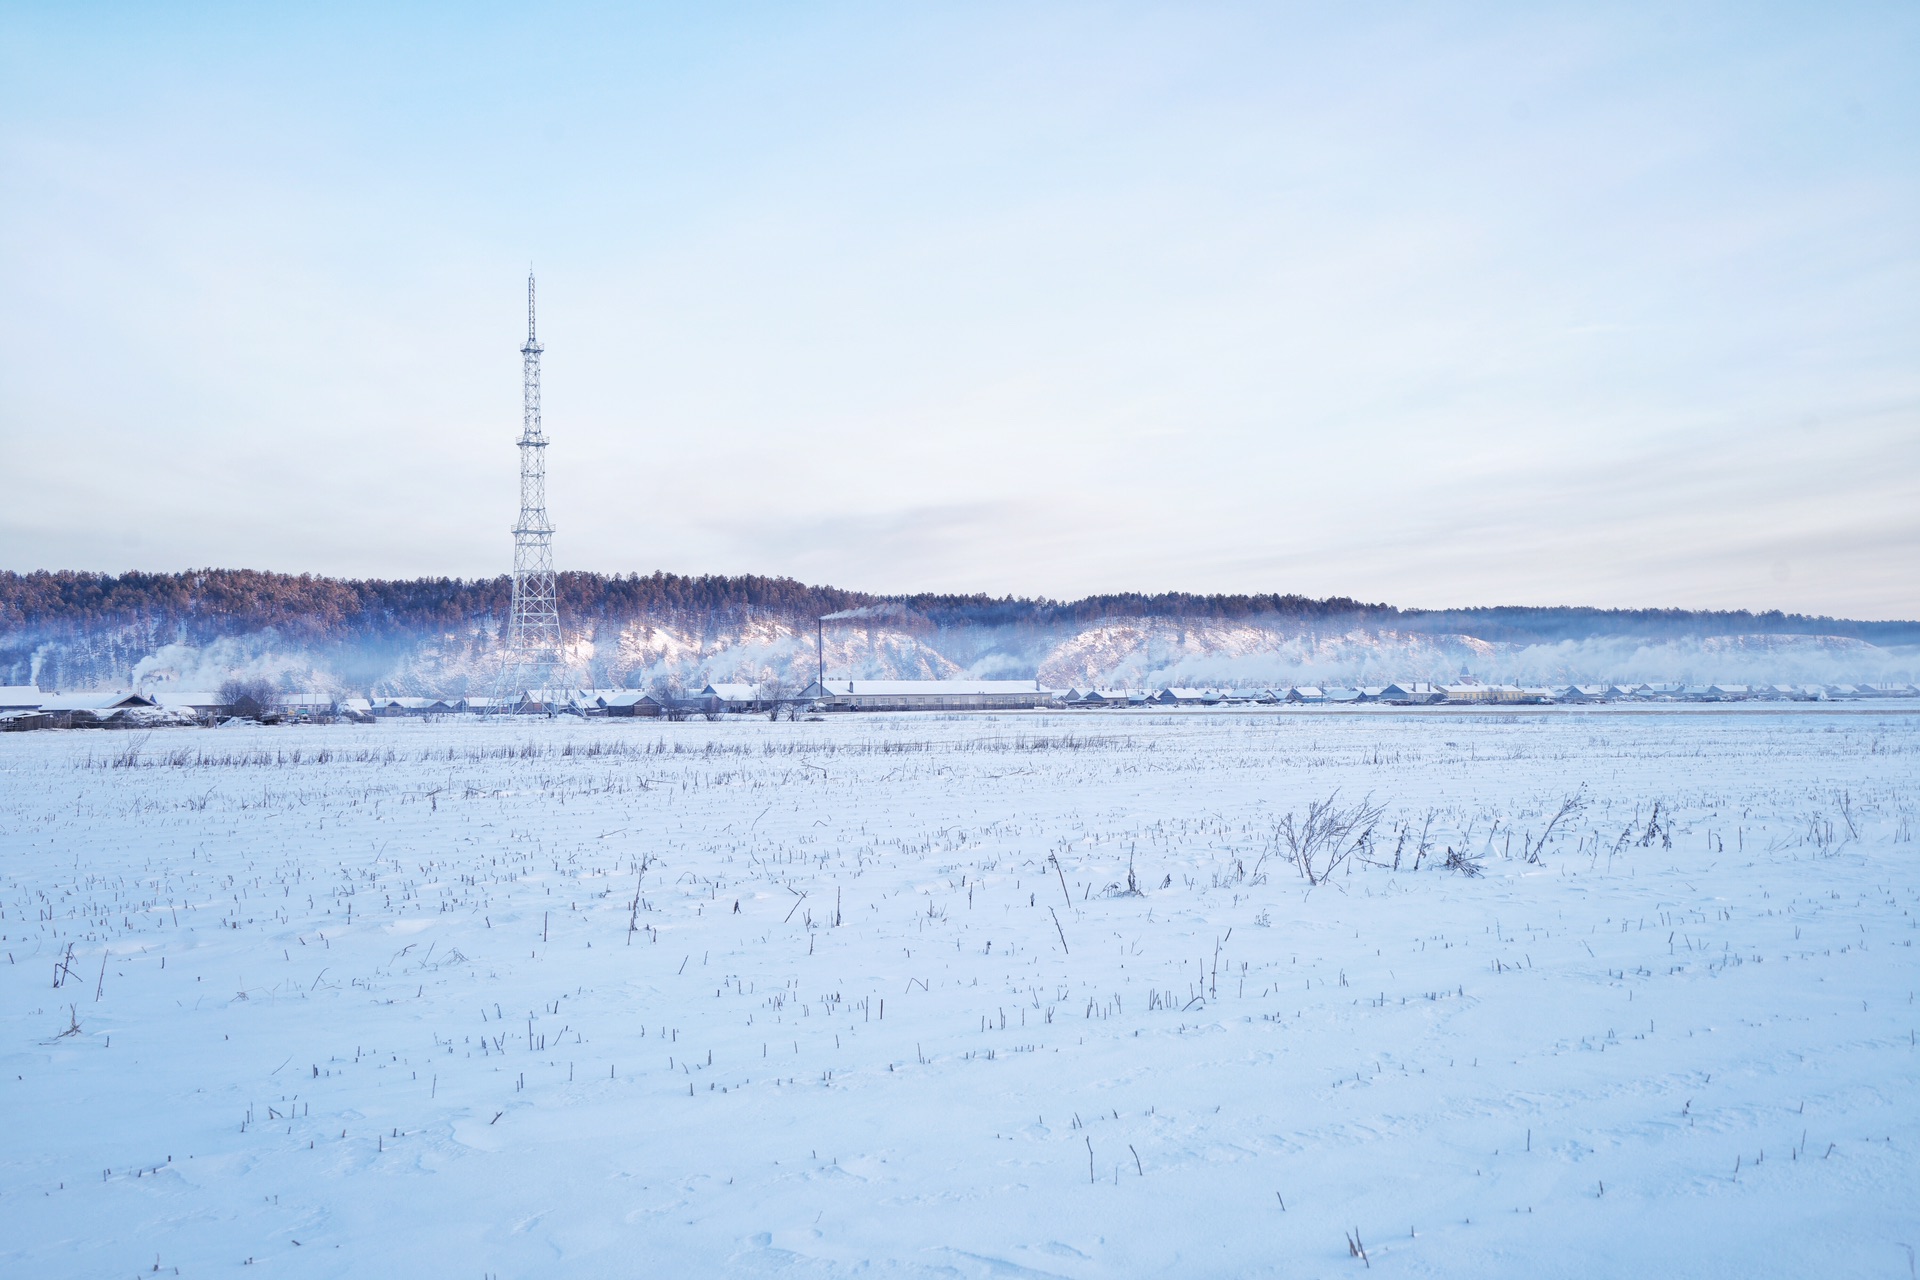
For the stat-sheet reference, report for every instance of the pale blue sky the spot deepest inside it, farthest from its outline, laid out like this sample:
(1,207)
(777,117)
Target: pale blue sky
(1495,304)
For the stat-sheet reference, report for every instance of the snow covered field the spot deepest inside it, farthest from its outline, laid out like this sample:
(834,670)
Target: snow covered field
(873,996)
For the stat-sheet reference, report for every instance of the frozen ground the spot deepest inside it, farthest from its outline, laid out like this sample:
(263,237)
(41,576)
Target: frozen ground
(620,999)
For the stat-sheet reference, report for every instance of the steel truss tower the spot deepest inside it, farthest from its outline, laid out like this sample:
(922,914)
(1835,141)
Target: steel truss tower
(534,656)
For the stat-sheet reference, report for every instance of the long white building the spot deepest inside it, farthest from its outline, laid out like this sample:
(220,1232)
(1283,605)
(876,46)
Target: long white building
(929,695)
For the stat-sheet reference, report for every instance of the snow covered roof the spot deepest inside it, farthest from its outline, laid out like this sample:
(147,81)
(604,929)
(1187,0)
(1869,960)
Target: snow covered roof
(95,701)
(1579,693)
(730,692)
(626,698)
(1407,690)
(20,697)
(192,699)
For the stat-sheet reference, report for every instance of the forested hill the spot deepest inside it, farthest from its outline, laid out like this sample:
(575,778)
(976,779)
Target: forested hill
(204,604)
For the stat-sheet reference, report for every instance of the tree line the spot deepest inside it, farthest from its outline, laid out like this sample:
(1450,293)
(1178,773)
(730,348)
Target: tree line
(203,603)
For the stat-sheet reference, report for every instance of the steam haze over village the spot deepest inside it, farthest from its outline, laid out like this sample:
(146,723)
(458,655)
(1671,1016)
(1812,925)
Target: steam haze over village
(1048,640)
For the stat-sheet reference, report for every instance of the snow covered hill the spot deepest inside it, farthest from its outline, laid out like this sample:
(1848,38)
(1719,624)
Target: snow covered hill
(1139,653)
(440,637)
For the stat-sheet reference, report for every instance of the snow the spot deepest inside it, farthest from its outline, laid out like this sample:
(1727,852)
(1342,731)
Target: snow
(400,999)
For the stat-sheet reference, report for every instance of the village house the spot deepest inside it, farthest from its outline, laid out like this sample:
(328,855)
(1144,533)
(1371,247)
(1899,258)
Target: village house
(1095,698)
(631,702)
(201,704)
(729,697)
(1179,696)
(95,710)
(21,697)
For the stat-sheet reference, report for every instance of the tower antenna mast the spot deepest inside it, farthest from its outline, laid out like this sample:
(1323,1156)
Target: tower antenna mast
(534,659)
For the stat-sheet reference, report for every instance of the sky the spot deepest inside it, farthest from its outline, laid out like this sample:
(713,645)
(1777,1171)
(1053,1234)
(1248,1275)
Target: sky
(1432,305)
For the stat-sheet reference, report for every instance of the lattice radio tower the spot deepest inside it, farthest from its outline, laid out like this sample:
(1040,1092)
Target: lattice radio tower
(534,657)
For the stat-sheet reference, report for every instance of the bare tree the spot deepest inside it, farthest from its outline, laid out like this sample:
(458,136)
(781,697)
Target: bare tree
(255,698)
(669,692)
(771,692)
